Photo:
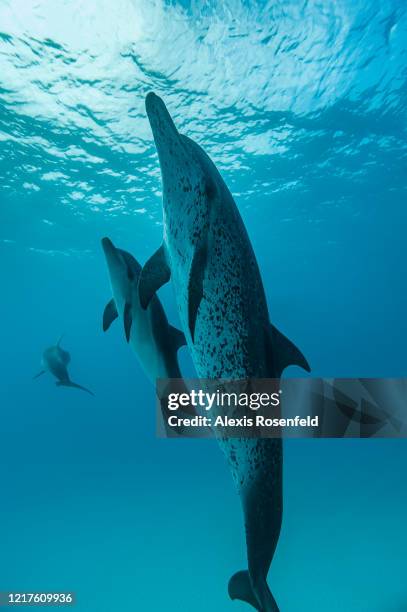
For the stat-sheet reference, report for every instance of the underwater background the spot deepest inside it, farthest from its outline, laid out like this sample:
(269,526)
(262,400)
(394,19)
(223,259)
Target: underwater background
(302,106)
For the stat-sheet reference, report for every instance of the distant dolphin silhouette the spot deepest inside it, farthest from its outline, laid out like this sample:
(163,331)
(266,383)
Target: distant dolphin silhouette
(223,311)
(151,336)
(55,360)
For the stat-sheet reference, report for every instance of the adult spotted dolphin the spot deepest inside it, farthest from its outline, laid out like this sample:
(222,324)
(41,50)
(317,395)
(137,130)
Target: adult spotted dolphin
(55,360)
(152,338)
(222,306)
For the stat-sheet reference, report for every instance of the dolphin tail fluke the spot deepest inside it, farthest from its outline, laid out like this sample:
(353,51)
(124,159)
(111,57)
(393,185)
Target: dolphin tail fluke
(39,374)
(240,587)
(69,383)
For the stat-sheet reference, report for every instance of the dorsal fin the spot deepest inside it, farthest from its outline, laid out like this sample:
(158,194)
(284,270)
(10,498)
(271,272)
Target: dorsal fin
(155,273)
(283,353)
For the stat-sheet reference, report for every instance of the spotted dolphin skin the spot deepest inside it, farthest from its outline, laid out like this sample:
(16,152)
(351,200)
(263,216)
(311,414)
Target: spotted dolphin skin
(223,311)
(55,360)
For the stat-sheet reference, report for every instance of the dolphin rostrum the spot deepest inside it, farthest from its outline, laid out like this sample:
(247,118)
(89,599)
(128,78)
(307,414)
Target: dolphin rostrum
(55,360)
(223,311)
(153,339)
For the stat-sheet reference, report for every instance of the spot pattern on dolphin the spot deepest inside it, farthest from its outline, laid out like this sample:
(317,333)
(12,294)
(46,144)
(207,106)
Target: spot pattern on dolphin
(224,315)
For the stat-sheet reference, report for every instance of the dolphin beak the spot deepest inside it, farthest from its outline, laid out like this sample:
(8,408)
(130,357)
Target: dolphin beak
(107,245)
(162,125)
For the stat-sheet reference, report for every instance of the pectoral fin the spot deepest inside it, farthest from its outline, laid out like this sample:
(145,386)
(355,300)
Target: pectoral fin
(283,353)
(177,337)
(195,285)
(128,320)
(154,275)
(110,314)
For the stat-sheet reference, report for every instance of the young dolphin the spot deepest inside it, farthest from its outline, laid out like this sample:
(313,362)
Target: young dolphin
(223,311)
(153,339)
(55,360)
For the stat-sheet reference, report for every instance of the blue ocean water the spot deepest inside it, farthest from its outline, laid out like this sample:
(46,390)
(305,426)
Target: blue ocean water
(302,106)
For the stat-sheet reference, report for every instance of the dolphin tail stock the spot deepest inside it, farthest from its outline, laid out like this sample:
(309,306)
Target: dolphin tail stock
(262,518)
(69,383)
(240,587)
(39,374)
